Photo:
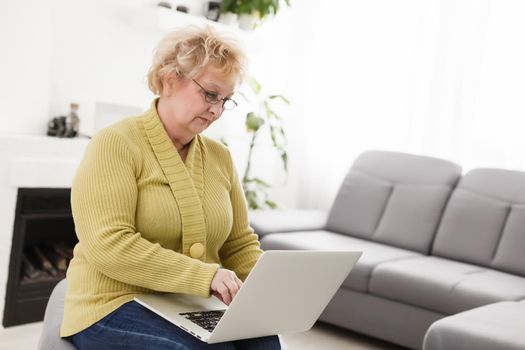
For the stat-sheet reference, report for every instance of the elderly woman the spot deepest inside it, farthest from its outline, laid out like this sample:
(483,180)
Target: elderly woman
(159,207)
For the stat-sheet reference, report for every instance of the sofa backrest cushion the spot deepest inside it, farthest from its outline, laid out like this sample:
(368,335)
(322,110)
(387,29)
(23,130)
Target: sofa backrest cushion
(393,198)
(484,221)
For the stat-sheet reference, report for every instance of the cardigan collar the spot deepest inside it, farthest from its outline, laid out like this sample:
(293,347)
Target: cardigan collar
(185,178)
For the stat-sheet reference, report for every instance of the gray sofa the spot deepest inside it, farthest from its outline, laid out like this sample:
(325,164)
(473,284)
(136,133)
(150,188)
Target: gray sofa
(434,244)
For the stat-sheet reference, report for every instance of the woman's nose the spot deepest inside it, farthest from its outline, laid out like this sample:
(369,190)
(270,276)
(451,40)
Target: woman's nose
(216,109)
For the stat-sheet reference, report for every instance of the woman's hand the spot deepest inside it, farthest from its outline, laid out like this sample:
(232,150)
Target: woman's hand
(225,285)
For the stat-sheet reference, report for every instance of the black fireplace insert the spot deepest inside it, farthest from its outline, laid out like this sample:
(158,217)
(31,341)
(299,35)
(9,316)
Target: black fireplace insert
(43,241)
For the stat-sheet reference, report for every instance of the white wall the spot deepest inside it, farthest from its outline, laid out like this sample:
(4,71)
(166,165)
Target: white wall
(24,65)
(55,52)
(98,53)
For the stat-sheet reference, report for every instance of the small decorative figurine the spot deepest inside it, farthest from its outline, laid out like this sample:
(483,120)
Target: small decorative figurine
(214,10)
(72,122)
(65,126)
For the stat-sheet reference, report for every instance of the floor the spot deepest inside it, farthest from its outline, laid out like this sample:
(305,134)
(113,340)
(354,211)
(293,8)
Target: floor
(321,336)
(23,337)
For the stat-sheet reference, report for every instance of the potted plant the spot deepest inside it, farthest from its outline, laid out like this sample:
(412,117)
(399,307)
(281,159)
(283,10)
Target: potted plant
(250,12)
(263,116)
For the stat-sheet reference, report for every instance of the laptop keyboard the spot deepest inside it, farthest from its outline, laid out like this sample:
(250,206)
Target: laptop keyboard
(205,319)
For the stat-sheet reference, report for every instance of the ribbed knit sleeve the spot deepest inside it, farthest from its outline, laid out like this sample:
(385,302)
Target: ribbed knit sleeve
(241,250)
(104,201)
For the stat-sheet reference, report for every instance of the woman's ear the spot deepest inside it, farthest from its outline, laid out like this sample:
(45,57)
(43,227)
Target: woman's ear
(169,83)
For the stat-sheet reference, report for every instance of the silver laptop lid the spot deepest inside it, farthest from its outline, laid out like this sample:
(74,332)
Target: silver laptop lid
(285,292)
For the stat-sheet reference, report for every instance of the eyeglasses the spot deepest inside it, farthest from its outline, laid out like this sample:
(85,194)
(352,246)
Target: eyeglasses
(213,98)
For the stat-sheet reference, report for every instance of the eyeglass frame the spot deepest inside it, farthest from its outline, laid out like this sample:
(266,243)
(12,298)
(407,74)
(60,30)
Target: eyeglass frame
(216,99)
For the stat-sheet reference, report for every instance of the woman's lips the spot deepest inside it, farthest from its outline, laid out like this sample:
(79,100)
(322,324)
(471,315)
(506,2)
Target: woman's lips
(204,119)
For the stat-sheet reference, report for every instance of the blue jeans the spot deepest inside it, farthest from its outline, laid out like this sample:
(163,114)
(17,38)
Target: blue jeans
(132,326)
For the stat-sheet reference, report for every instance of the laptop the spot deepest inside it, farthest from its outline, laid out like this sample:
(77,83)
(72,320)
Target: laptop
(286,291)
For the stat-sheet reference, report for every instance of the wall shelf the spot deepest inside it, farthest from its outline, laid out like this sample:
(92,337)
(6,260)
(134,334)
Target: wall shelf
(163,19)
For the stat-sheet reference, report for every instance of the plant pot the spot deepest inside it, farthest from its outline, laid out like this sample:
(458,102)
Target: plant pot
(248,21)
(228,18)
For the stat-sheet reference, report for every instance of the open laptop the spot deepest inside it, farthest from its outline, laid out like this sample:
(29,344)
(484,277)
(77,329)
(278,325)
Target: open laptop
(286,291)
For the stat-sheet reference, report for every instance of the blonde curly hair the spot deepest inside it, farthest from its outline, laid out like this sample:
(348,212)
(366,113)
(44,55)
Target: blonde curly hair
(189,51)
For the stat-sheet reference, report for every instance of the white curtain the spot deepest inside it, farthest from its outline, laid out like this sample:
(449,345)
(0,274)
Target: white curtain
(443,78)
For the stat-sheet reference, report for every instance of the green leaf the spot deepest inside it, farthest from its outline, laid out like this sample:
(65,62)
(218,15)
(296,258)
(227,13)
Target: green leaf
(271,204)
(260,182)
(276,116)
(251,198)
(253,122)
(267,112)
(282,132)
(284,158)
(228,6)
(254,84)
(246,7)
(274,139)
(280,97)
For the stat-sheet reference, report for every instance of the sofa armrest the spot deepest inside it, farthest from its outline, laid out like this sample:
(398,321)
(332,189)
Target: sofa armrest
(271,221)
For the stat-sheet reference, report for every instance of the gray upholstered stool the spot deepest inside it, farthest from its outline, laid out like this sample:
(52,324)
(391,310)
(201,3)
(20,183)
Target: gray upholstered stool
(495,326)
(50,337)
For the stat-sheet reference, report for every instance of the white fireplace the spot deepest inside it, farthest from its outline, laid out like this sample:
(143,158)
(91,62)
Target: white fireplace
(31,162)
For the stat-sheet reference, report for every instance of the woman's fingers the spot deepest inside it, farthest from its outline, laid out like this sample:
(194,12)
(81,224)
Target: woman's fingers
(233,288)
(225,285)
(238,281)
(225,294)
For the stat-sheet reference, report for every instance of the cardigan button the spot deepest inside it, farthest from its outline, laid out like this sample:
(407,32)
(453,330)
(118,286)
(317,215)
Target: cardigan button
(196,250)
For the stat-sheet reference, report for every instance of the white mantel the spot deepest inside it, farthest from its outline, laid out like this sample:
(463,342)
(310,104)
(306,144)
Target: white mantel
(31,162)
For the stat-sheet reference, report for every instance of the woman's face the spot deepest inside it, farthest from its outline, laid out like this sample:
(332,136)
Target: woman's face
(186,111)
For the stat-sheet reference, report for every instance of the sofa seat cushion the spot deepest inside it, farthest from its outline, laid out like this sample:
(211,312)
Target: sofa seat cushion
(373,253)
(495,326)
(490,286)
(444,286)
